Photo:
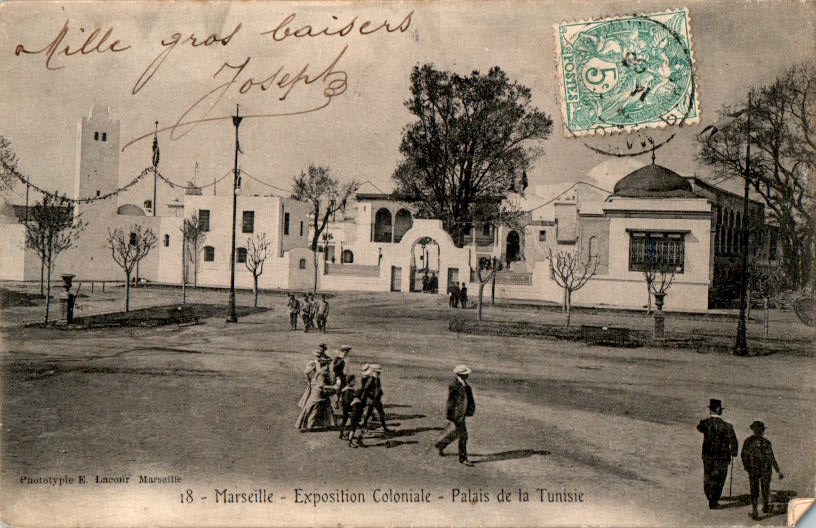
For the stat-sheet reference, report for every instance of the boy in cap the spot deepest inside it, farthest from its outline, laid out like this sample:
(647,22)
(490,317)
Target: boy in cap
(758,460)
(460,405)
(338,370)
(719,447)
(346,397)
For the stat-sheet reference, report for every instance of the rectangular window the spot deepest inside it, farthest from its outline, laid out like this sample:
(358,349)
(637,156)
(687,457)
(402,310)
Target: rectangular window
(248,222)
(486,230)
(209,254)
(301,229)
(285,223)
(650,249)
(240,255)
(204,219)
(104,136)
(542,235)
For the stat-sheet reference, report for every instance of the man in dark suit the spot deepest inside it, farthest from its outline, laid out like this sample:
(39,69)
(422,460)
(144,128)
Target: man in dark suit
(758,460)
(460,405)
(719,447)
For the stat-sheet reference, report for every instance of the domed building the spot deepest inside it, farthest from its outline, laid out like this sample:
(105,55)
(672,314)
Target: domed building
(653,181)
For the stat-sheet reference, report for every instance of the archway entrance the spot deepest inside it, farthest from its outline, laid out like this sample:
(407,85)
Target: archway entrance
(513,249)
(425,265)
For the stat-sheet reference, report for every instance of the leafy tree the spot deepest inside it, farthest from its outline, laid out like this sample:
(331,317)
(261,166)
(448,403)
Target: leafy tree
(783,158)
(128,249)
(194,233)
(472,139)
(257,253)
(326,196)
(9,174)
(52,228)
(571,270)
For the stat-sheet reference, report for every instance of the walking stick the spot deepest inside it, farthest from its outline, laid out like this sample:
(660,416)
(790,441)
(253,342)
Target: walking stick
(731,481)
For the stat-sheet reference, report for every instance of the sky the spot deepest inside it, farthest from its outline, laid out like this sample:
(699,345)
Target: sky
(357,132)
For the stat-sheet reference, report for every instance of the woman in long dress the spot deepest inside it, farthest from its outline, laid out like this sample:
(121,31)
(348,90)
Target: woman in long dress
(316,411)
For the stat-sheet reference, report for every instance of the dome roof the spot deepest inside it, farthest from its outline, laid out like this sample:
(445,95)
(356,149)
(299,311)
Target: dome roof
(653,181)
(130,210)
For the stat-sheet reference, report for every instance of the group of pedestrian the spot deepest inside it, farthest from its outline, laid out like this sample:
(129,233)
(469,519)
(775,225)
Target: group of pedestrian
(311,311)
(720,447)
(458,296)
(329,379)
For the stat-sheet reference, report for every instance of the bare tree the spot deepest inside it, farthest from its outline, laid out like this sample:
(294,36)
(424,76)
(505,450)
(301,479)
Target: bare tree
(765,283)
(783,158)
(662,274)
(571,271)
(491,267)
(326,196)
(128,250)
(194,232)
(52,228)
(651,268)
(257,253)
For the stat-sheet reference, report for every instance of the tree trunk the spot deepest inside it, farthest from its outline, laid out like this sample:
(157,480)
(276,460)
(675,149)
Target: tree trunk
(42,276)
(648,299)
(195,267)
(568,296)
(127,293)
(493,290)
(748,305)
(48,293)
(314,252)
(564,306)
(255,277)
(479,308)
(765,331)
(183,273)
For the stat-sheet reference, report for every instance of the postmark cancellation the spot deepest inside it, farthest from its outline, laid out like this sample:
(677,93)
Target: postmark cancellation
(626,73)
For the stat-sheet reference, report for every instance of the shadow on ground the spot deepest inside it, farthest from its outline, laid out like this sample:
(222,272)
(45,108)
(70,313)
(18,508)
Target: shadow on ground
(506,455)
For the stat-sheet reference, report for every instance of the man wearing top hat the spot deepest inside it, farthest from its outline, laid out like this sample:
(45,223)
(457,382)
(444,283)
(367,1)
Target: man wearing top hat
(758,460)
(719,447)
(460,405)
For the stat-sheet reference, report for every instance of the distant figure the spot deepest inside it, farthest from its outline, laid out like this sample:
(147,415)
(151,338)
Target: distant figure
(426,282)
(316,412)
(322,314)
(719,447)
(758,460)
(460,405)
(463,298)
(454,296)
(311,366)
(374,403)
(433,283)
(294,311)
(346,398)
(307,313)
(338,370)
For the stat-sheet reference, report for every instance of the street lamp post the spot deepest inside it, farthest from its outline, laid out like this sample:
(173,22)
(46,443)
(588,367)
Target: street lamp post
(741,344)
(233,315)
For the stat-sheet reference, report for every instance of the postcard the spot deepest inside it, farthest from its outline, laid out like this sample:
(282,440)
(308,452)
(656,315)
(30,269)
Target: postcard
(473,263)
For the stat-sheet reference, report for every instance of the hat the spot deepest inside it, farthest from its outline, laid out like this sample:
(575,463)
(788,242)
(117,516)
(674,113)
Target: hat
(462,370)
(375,367)
(345,348)
(715,405)
(757,426)
(366,368)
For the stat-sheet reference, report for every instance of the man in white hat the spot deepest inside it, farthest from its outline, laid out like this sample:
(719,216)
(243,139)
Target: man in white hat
(375,392)
(460,405)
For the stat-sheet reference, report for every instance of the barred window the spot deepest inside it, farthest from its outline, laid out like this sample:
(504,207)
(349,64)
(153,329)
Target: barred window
(204,219)
(209,254)
(248,222)
(240,255)
(647,248)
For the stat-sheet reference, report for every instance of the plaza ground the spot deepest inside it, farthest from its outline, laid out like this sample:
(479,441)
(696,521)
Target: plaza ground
(215,404)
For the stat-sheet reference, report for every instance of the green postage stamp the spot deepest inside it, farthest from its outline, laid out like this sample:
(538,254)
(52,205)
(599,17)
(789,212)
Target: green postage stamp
(625,73)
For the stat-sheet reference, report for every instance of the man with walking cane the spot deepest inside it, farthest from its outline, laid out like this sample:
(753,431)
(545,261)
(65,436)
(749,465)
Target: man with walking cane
(720,446)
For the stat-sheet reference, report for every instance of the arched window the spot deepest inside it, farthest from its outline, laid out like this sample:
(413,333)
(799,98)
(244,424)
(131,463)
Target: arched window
(402,223)
(209,254)
(348,256)
(240,255)
(302,264)
(96,136)
(383,227)
(166,240)
(104,136)
(592,247)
